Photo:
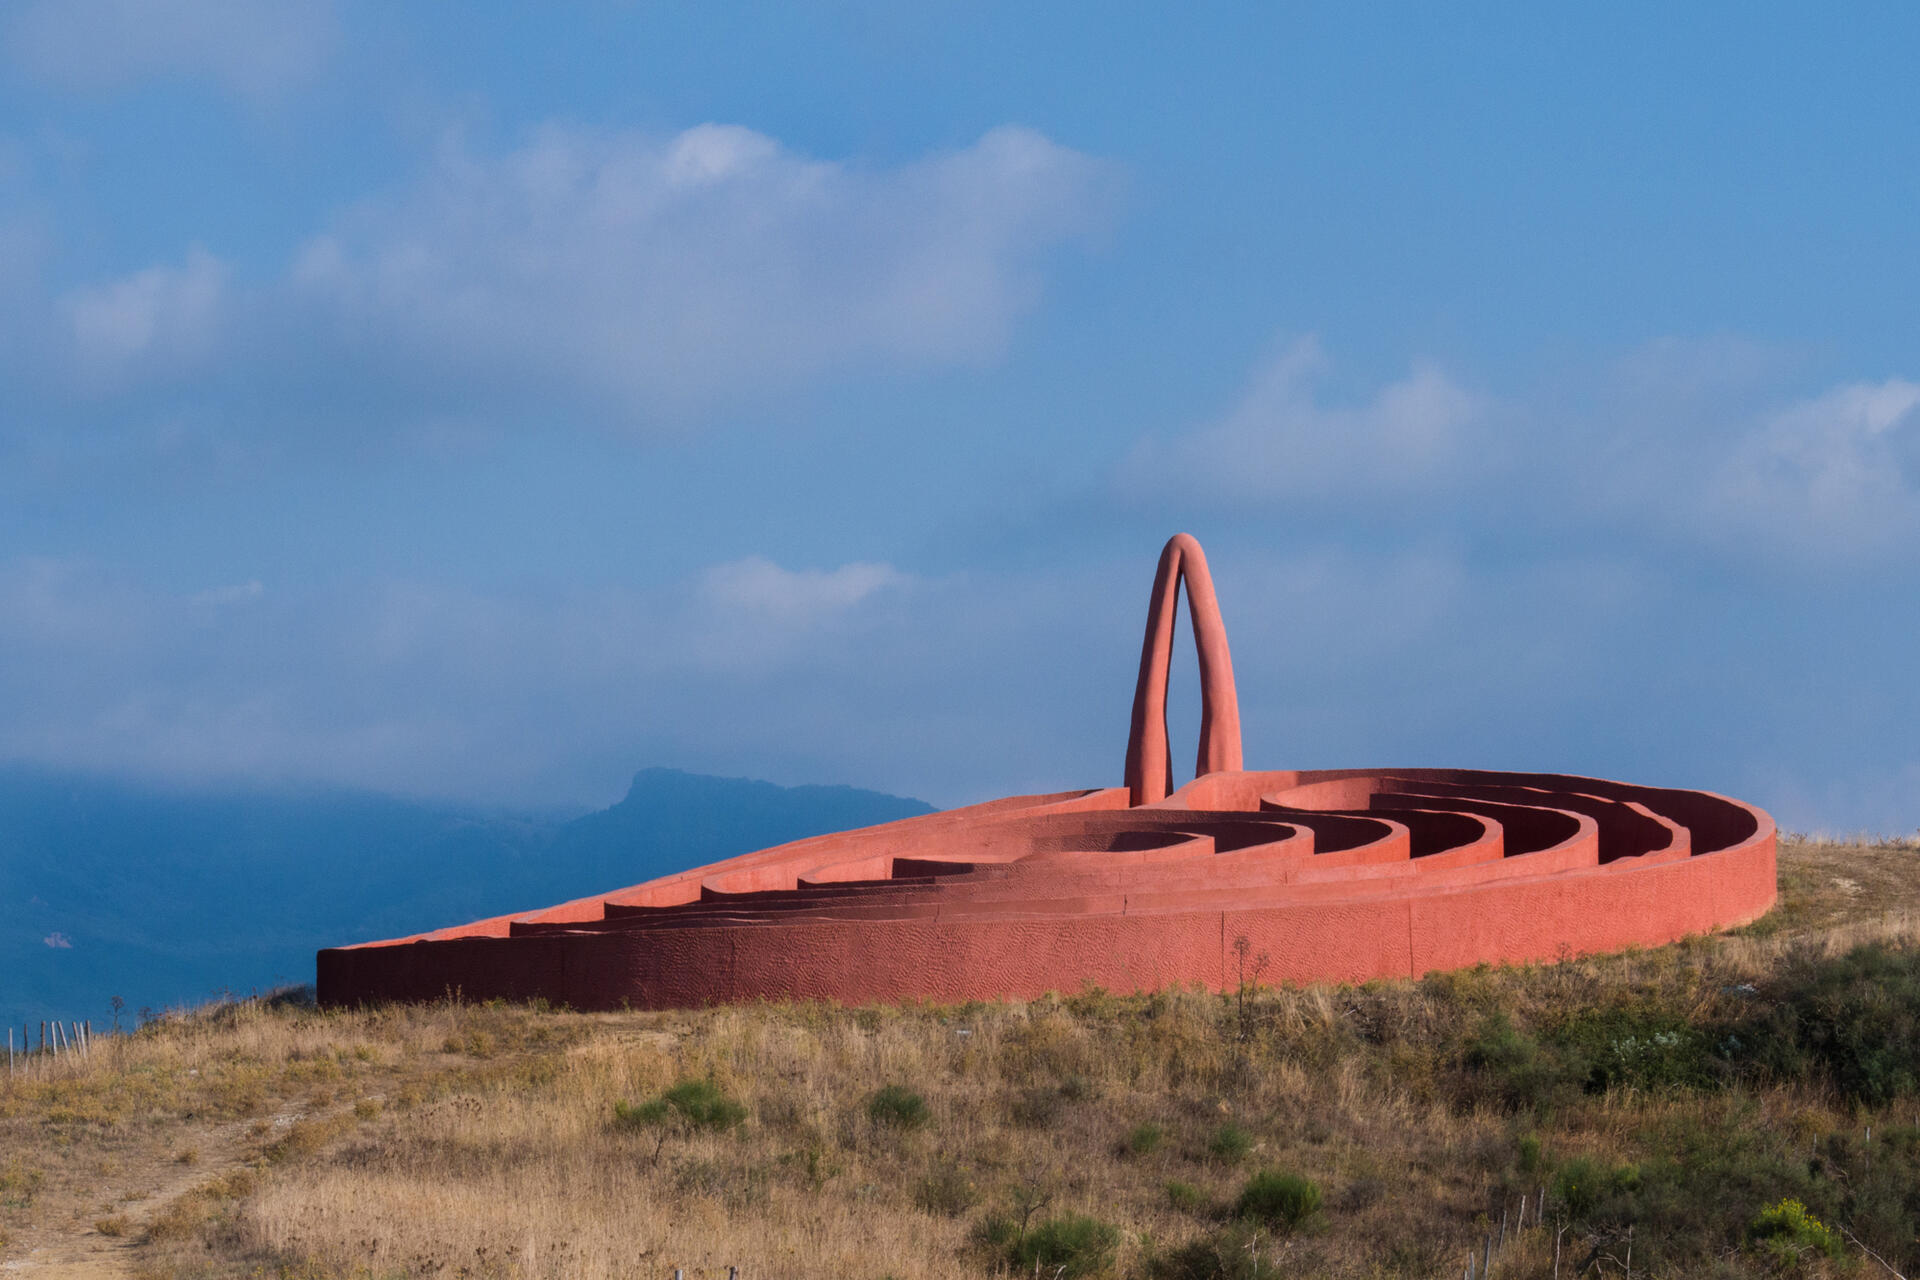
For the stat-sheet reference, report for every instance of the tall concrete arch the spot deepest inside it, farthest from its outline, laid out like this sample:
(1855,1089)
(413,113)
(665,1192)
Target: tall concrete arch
(1149,776)
(1336,875)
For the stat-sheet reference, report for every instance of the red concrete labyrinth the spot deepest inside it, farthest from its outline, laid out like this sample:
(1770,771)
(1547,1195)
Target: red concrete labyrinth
(1337,874)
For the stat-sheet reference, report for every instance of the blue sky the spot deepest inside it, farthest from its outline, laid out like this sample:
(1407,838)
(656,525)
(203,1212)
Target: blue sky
(484,402)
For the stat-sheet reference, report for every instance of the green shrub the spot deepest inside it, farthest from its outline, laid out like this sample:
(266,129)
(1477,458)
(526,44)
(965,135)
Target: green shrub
(1698,1174)
(1229,1144)
(1789,1223)
(1853,1018)
(1282,1201)
(642,1115)
(1070,1245)
(1509,1066)
(1586,1186)
(1498,1045)
(1145,1139)
(898,1107)
(698,1104)
(1185,1197)
(1637,1046)
(1852,1021)
(1883,1190)
(1226,1254)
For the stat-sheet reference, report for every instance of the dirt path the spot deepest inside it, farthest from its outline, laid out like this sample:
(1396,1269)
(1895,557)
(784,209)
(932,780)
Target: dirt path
(118,1162)
(64,1239)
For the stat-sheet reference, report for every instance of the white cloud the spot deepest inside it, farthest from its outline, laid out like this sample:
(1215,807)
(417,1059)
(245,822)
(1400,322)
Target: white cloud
(658,274)
(1281,441)
(234,593)
(761,588)
(259,49)
(752,617)
(621,281)
(163,320)
(1834,475)
(1693,447)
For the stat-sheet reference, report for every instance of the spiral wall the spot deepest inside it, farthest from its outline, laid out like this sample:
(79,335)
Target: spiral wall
(1279,875)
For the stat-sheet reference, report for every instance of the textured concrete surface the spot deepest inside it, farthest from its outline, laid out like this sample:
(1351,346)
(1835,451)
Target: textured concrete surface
(1335,874)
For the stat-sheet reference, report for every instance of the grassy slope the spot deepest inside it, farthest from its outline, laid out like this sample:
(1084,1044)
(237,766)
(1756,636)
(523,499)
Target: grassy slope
(1663,1099)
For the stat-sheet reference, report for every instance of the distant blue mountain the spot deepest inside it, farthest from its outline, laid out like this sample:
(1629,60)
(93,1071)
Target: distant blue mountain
(166,897)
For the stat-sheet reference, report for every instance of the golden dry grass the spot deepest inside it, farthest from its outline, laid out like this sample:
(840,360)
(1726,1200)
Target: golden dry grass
(480,1141)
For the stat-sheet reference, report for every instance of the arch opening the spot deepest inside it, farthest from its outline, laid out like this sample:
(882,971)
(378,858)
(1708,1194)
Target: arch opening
(1149,767)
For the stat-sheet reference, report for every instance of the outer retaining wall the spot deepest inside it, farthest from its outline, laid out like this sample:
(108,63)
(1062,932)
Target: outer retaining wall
(1020,911)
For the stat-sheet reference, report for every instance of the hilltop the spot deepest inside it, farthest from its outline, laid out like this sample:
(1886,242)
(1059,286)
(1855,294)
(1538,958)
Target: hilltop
(1741,1105)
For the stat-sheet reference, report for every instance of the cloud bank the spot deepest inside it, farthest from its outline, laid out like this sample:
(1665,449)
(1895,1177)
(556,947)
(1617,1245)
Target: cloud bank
(602,279)
(1281,442)
(1690,448)
(658,273)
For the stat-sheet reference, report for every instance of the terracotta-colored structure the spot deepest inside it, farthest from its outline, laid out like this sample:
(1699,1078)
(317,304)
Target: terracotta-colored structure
(1335,874)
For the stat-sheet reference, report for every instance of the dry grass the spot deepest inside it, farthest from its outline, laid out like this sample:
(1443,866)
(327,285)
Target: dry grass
(462,1141)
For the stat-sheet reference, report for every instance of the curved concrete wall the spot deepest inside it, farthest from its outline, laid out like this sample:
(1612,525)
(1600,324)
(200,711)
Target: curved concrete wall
(1339,874)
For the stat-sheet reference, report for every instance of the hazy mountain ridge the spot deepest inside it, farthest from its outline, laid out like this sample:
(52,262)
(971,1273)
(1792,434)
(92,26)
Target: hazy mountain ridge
(164,896)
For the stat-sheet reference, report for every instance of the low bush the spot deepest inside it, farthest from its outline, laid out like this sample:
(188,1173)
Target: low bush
(1283,1201)
(1587,1187)
(1144,1140)
(1229,1144)
(1789,1228)
(1070,1245)
(1853,1018)
(1230,1253)
(1185,1197)
(1883,1190)
(1642,1047)
(1509,1066)
(697,1104)
(898,1107)
(1851,1021)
